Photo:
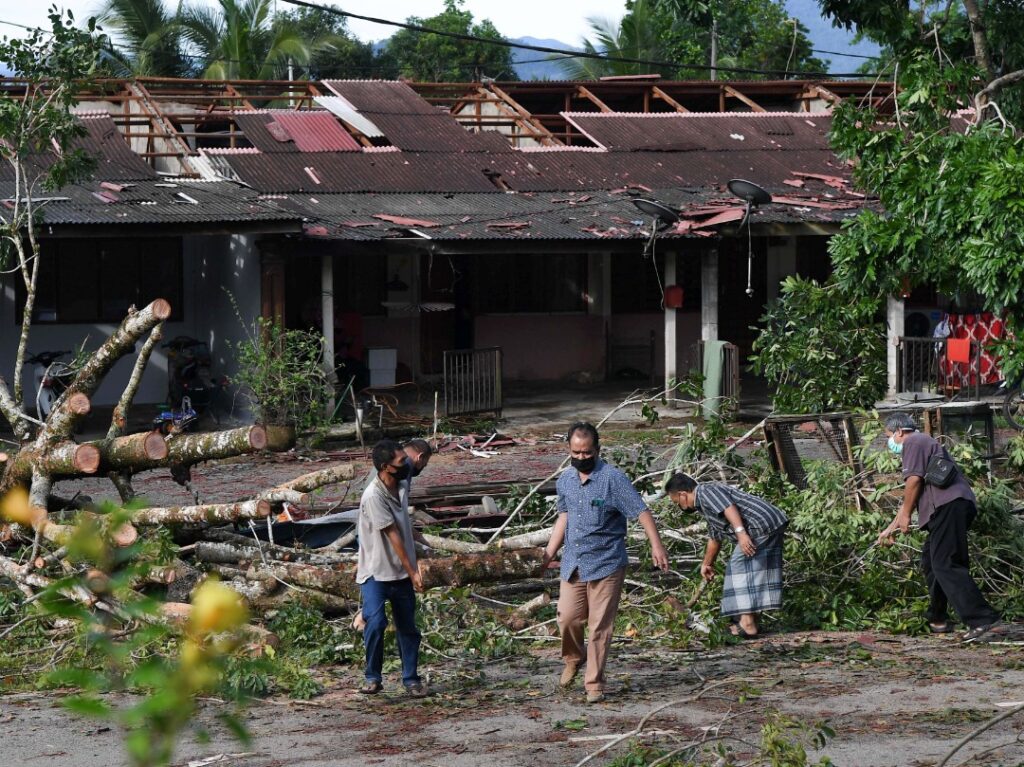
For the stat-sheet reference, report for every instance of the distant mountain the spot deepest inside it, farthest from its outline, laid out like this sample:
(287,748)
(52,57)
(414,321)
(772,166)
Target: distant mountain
(537,66)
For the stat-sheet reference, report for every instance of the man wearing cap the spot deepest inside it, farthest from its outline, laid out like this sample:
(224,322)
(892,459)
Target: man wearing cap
(946,513)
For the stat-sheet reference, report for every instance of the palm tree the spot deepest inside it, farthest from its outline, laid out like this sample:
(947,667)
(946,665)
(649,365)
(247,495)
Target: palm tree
(635,36)
(145,38)
(238,42)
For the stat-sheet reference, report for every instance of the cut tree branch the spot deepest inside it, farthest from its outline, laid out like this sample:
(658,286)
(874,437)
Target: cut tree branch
(119,419)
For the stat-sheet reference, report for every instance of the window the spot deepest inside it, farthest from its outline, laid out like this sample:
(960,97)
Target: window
(514,283)
(635,286)
(82,281)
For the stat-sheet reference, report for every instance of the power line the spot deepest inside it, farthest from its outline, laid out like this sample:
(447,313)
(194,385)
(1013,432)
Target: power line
(562,51)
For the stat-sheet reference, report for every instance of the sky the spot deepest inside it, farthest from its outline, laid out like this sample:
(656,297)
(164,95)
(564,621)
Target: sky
(563,20)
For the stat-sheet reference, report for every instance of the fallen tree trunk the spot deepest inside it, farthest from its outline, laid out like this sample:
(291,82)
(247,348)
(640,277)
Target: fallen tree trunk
(63,418)
(338,580)
(314,480)
(519,618)
(134,452)
(230,553)
(215,512)
(452,545)
(526,540)
(461,569)
(64,459)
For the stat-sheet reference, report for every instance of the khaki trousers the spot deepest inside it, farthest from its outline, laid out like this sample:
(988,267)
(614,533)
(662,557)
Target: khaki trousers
(596,604)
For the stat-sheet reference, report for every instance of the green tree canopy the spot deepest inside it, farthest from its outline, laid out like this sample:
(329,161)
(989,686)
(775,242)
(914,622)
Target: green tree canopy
(747,34)
(336,53)
(434,58)
(146,38)
(951,184)
(237,41)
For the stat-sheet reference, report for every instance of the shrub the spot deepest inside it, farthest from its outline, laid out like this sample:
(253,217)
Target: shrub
(820,350)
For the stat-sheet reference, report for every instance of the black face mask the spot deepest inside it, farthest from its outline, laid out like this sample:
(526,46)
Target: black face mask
(400,472)
(584,465)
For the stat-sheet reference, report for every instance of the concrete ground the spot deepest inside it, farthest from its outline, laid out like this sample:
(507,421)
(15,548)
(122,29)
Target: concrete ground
(892,701)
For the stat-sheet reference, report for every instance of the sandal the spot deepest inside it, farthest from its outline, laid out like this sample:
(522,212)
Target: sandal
(945,627)
(371,687)
(742,633)
(976,633)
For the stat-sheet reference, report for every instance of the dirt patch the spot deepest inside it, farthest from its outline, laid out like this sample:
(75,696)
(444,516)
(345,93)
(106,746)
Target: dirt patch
(891,700)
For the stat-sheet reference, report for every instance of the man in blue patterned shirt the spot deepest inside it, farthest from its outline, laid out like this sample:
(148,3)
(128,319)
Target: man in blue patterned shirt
(595,501)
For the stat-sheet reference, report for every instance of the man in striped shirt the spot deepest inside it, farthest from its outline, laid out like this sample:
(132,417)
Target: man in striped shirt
(753,577)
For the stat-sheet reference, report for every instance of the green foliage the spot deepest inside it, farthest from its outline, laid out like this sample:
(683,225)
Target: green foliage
(784,742)
(147,39)
(433,58)
(238,41)
(820,350)
(751,34)
(305,634)
(636,464)
(281,372)
(335,52)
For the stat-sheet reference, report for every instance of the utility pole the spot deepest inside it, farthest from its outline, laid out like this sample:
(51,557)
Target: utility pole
(714,48)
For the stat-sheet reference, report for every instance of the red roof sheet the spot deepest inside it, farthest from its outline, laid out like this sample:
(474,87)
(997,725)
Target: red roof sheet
(289,131)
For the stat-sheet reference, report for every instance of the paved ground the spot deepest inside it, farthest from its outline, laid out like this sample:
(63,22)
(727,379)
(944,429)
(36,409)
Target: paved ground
(893,702)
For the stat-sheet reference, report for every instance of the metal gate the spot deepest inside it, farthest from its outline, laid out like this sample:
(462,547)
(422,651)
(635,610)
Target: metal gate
(472,381)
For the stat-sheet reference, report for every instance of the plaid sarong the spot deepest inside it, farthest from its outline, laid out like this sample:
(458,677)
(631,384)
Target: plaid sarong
(754,584)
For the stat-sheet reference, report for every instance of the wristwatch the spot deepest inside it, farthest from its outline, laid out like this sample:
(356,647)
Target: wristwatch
(740,529)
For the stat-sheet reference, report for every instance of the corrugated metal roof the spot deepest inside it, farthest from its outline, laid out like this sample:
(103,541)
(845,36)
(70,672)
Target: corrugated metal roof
(362,172)
(158,201)
(315,131)
(436,133)
(704,132)
(381,97)
(290,131)
(115,161)
(503,216)
(344,111)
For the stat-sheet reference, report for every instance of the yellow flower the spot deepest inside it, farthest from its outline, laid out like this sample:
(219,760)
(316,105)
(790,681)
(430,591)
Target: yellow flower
(14,507)
(215,608)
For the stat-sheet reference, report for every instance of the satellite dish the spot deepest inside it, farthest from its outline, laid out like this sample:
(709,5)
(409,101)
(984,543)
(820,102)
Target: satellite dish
(659,211)
(749,192)
(753,195)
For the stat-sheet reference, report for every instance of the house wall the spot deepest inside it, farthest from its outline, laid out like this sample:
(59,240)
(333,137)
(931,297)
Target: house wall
(543,347)
(207,264)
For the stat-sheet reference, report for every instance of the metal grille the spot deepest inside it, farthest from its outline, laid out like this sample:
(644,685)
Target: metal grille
(793,439)
(923,365)
(630,358)
(472,381)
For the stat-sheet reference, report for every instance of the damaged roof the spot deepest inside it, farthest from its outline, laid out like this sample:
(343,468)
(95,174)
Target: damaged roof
(605,214)
(153,201)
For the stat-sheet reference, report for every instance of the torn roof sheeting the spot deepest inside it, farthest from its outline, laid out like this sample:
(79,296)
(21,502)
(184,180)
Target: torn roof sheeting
(192,205)
(103,142)
(695,131)
(549,216)
(286,130)
(349,115)
(381,97)
(361,172)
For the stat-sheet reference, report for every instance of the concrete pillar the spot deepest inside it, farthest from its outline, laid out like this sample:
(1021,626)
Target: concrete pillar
(327,319)
(709,295)
(671,349)
(894,322)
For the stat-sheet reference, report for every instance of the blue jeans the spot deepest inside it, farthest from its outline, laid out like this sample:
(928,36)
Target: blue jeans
(403,608)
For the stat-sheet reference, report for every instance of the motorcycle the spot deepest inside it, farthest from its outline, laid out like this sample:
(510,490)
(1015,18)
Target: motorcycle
(52,379)
(192,389)
(1013,404)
